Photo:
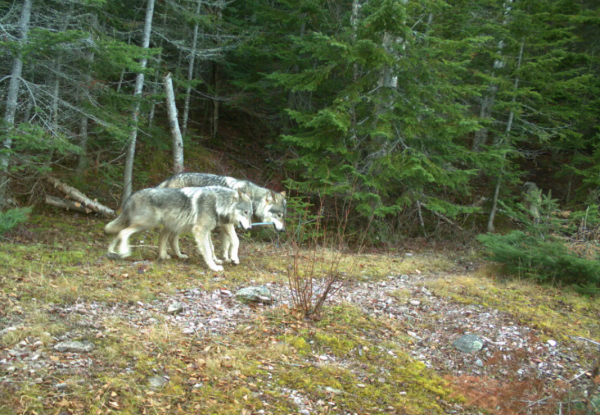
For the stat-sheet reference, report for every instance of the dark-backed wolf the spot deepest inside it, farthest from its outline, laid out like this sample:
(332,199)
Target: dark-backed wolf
(268,206)
(196,209)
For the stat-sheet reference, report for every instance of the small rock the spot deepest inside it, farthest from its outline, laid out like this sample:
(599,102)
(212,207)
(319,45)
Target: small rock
(255,295)
(552,343)
(304,412)
(153,320)
(479,362)
(156,382)
(468,343)
(61,386)
(74,346)
(414,302)
(175,308)
(6,330)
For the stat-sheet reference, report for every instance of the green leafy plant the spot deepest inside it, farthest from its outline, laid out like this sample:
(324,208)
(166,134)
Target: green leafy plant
(544,250)
(12,217)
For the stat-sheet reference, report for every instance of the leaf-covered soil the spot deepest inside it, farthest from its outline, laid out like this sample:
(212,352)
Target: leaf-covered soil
(383,344)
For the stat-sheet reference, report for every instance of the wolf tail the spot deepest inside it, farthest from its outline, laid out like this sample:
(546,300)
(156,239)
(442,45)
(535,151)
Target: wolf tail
(117,225)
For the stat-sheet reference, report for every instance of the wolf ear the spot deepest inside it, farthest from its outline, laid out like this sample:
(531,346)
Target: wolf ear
(282,193)
(239,194)
(273,197)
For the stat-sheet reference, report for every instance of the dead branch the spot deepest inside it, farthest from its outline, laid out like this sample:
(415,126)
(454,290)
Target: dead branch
(78,196)
(66,204)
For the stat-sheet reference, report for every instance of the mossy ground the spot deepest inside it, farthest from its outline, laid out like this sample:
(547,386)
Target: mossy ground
(345,362)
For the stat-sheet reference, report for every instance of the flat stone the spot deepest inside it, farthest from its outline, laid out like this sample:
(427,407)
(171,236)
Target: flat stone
(468,343)
(75,346)
(175,308)
(255,295)
(156,382)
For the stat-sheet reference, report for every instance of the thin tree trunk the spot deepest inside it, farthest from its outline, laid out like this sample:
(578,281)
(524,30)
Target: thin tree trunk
(137,93)
(511,115)
(156,79)
(215,122)
(188,91)
(12,97)
(174,124)
(83,142)
(481,135)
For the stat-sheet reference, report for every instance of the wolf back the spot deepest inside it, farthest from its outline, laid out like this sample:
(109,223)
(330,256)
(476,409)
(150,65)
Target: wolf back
(267,205)
(199,210)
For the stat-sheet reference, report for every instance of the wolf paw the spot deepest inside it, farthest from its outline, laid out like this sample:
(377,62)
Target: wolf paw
(217,268)
(218,261)
(113,255)
(164,257)
(182,256)
(235,261)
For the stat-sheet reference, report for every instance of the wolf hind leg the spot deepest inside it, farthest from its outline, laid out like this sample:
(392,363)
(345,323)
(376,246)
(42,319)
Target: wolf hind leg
(123,238)
(204,243)
(174,242)
(231,244)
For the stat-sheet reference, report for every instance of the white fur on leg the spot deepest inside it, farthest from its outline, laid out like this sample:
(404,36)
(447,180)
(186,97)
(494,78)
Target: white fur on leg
(204,247)
(124,250)
(231,244)
(212,251)
(162,244)
(174,241)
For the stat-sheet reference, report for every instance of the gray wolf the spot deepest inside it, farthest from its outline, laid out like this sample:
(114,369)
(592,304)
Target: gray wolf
(267,205)
(531,197)
(199,210)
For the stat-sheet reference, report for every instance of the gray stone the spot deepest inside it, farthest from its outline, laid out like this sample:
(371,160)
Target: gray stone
(156,382)
(153,320)
(468,343)
(479,362)
(255,295)
(175,308)
(6,330)
(75,346)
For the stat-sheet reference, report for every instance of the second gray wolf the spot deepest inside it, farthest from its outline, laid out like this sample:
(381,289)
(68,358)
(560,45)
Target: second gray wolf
(199,210)
(267,205)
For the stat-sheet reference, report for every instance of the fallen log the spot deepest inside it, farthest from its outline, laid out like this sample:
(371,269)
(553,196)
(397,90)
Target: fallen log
(66,204)
(86,202)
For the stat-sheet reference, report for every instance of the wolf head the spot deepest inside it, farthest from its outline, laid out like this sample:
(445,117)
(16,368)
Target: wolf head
(273,209)
(242,215)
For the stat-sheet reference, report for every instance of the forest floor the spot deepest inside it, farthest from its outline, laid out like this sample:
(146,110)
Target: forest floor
(384,342)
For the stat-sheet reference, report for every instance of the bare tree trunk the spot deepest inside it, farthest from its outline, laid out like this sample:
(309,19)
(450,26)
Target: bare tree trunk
(511,115)
(215,121)
(137,93)
(156,79)
(488,100)
(188,91)
(83,142)
(12,97)
(174,124)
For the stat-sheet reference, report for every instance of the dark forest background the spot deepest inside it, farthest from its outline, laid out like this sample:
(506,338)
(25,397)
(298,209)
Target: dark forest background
(425,117)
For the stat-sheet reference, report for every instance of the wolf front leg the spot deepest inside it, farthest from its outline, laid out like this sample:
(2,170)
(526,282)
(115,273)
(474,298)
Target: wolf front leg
(204,243)
(231,244)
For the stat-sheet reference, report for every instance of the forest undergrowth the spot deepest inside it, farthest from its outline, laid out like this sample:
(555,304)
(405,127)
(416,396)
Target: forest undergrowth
(382,344)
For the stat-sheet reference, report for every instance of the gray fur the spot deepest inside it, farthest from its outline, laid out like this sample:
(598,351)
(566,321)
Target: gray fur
(531,197)
(267,205)
(199,210)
